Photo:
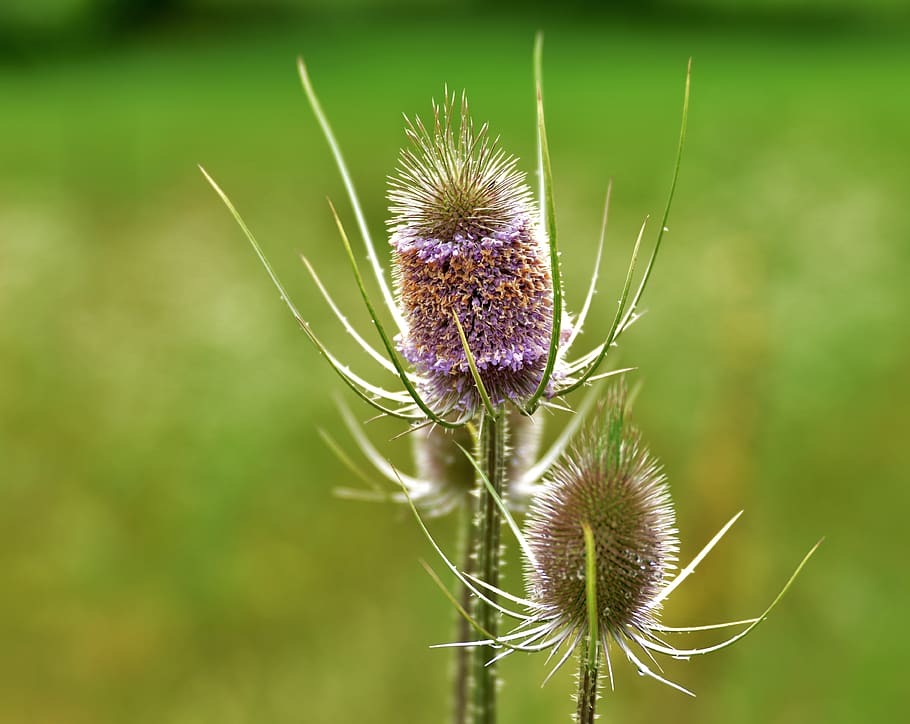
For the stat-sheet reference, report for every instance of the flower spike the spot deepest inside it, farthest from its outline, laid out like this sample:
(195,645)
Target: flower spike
(471,271)
(472,364)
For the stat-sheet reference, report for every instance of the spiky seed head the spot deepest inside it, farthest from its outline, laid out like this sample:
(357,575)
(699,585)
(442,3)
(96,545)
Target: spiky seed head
(465,242)
(610,482)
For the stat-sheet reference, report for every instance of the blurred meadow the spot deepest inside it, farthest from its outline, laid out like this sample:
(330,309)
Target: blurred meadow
(171,549)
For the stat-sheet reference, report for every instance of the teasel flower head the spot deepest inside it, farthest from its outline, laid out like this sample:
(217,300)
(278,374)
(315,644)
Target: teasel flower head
(446,473)
(611,483)
(467,247)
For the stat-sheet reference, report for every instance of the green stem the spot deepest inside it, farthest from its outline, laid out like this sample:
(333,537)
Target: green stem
(492,459)
(587,685)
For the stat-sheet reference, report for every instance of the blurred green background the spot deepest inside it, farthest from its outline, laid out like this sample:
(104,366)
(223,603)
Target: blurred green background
(170,546)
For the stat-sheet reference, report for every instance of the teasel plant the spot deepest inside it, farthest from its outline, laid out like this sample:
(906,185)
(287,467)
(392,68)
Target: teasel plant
(478,348)
(599,547)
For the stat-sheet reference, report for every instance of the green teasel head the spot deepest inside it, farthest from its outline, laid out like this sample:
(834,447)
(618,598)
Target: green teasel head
(612,484)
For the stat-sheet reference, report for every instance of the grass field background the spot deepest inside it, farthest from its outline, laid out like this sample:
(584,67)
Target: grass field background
(170,546)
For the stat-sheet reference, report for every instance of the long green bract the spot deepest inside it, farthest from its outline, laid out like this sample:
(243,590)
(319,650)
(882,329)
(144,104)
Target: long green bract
(611,337)
(548,212)
(591,593)
(304,325)
(351,191)
(663,224)
(475,373)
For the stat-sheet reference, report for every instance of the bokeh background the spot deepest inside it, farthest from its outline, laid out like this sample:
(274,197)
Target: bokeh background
(170,546)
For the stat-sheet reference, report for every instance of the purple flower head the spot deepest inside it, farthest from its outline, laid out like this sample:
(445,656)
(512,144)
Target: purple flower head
(466,243)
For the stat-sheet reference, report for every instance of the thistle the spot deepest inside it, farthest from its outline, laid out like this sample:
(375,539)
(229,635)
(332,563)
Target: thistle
(443,480)
(479,342)
(468,253)
(611,484)
(480,321)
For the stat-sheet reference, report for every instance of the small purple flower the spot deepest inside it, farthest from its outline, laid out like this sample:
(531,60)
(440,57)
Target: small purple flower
(466,244)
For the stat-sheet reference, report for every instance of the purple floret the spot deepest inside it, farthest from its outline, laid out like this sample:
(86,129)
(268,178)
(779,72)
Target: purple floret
(498,284)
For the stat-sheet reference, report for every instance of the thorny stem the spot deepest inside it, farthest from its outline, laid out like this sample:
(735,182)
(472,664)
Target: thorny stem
(492,458)
(587,686)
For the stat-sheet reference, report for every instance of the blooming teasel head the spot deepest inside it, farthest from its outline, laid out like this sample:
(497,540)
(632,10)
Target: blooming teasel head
(468,251)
